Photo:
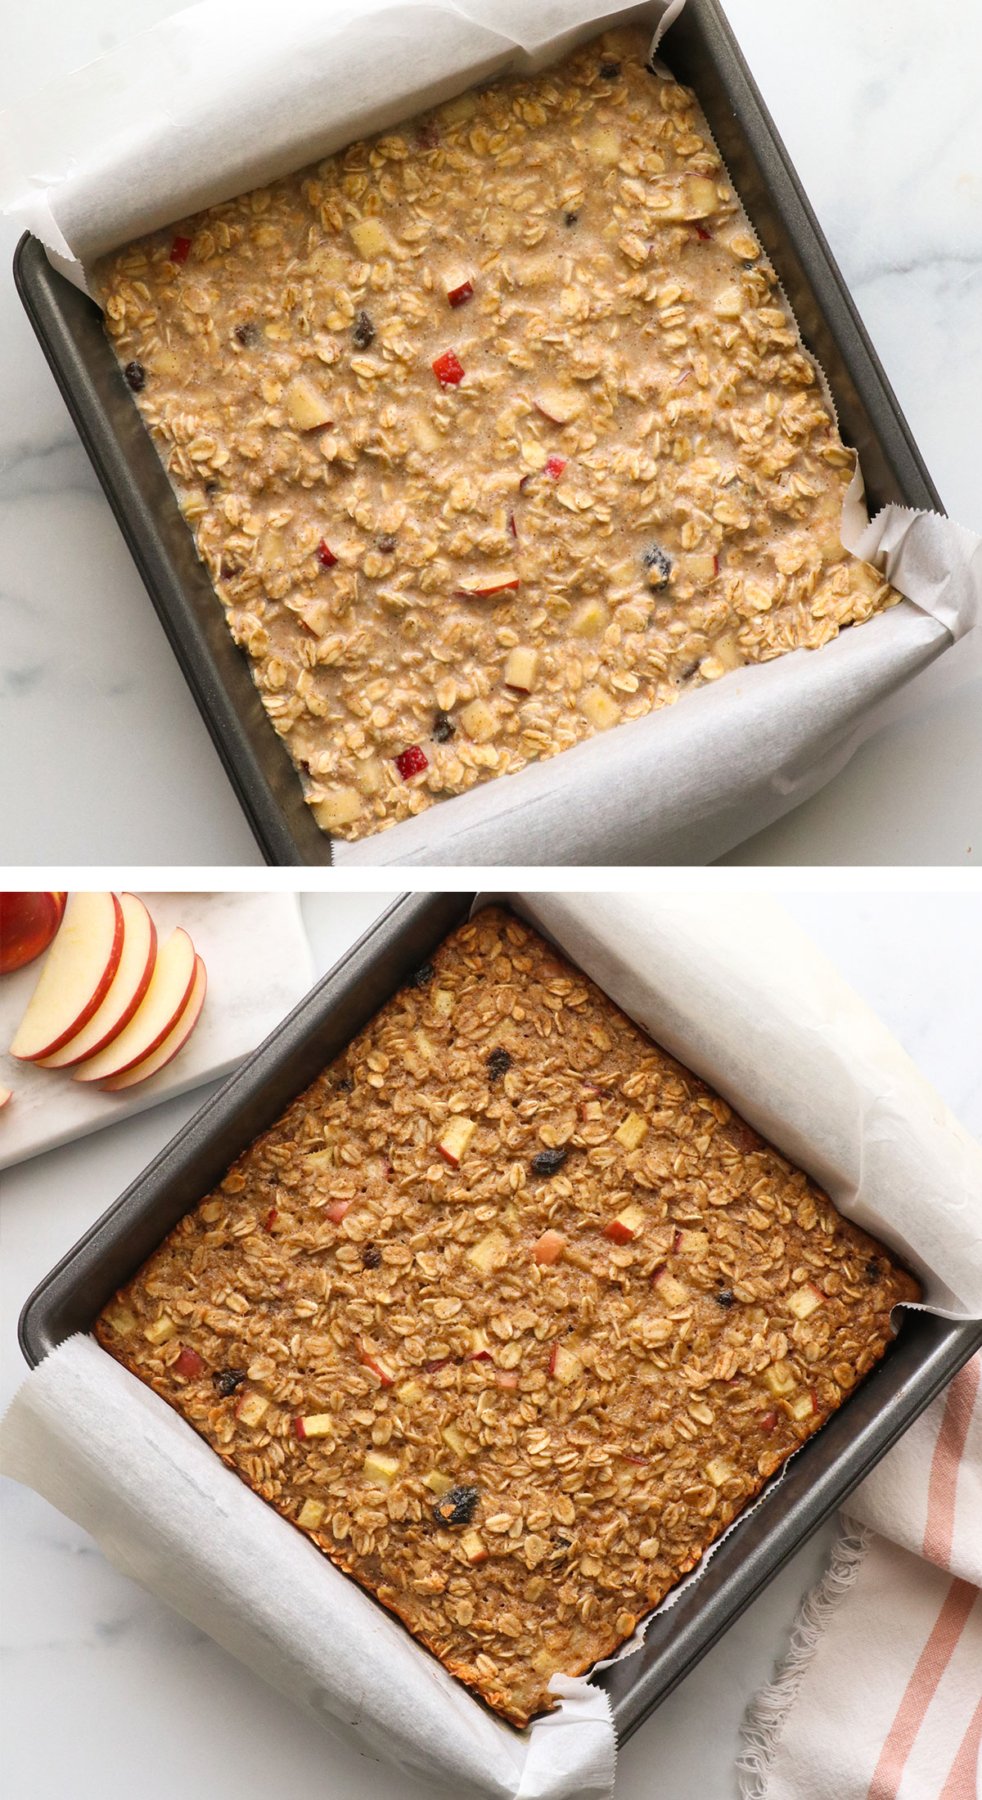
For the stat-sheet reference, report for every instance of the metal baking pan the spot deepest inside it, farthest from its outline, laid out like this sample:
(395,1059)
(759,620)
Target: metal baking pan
(926,1354)
(701,49)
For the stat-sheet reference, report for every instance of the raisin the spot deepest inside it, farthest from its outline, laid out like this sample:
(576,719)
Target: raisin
(609,71)
(423,976)
(212,488)
(227,1380)
(457,1506)
(136,375)
(443,728)
(570,218)
(229,570)
(363,331)
(245,334)
(371,1256)
(344,1085)
(548,1162)
(872,1270)
(499,1062)
(658,565)
(386,543)
(724,1298)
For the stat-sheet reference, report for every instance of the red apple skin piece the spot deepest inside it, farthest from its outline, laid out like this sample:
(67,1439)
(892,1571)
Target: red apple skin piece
(485,593)
(76,975)
(158,1012)
(174,1041)
(189,1364)
(128,986)
(28,923)
(337,1209)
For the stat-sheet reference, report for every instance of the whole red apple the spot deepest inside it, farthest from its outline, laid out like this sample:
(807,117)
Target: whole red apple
(28,923)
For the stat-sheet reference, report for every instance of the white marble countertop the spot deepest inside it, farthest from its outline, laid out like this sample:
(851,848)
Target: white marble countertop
(108,1691)
(879,107)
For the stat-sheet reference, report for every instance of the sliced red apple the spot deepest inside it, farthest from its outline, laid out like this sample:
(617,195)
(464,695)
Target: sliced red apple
(336,1210)
(170,986)
(75,978)
(457,1134)
(548,1248)
(28,923)
(126,990)
(626,1225)
(6,1094)
(174,1041)
(484,587)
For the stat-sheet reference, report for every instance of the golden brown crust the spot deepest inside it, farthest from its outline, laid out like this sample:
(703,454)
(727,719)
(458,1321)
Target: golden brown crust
(613,1408)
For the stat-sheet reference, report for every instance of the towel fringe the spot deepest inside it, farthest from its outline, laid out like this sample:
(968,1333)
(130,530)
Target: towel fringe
(764,1719)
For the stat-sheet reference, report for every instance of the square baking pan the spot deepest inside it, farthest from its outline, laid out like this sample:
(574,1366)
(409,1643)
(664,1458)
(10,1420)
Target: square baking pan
(701,49)
(927,1352)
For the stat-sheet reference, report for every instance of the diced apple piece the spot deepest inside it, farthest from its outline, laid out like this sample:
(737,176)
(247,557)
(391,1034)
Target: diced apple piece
(719,1470)
(700,566)
(668,1289)
(380,1469)
(174,974)
(481,587)
(377,1367)
(442,1001)
(597,706)
(457,1134)
(805,1300)
(479,720)
(604,145)
(340,807)
(692,1243)
(120,1318)
(454,112)
(473,1547)
(590,619)
(370,238)
(126,990)
(336,1209)
(75,977)
(626,1226)
(548,1248)
(460,292)
(306,405)
(779,1378)
(251,1407)
(188,1363)
(802,1406)
(314,1425)
(489,1252)
(161,1329)
(507,1378)
(563,1365)
(521,668)
(425,434)
(695,198)
(176,1038)
(370,778)
(632,1131)
(728,304)
(557,404)
(453,1440)
(311,1515)
(438,1483)
(409,1393)
(767,1421)
(728,653)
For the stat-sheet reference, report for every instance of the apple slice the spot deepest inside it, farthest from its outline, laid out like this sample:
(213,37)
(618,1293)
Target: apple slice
(128,986)
(175,1040)
(6,1094)
(482,587)
(75,978)
(158,1012)
(457,1134)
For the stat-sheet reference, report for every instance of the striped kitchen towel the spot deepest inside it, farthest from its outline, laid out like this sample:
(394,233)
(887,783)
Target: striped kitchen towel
(880,1696)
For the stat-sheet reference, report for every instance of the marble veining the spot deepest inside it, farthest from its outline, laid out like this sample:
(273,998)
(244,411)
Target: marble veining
(107,1690)
(879,107)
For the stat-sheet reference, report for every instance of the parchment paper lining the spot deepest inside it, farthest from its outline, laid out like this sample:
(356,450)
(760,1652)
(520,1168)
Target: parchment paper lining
(737,993)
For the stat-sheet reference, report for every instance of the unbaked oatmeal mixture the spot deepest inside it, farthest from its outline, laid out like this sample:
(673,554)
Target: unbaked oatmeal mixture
(509,1313)
(493,432)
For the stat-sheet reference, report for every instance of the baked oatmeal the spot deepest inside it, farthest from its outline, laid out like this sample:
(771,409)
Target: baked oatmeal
(509,1313)
(492,432)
